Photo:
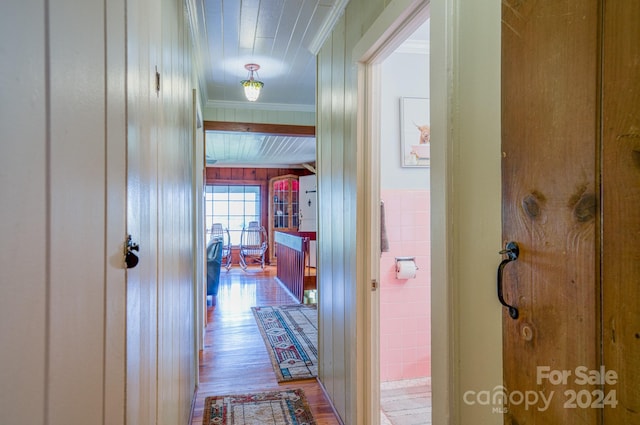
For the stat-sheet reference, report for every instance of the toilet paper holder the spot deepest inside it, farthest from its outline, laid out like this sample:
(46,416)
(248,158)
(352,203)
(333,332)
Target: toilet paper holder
(401,259)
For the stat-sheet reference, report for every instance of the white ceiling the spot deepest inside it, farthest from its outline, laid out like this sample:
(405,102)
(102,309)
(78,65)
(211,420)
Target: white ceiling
(259,150)
(283,37)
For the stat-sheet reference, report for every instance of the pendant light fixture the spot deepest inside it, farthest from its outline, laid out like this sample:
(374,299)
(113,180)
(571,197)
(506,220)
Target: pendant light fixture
(251,86)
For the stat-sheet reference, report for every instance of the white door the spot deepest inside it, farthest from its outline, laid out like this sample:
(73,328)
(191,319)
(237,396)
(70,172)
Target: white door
(308,203)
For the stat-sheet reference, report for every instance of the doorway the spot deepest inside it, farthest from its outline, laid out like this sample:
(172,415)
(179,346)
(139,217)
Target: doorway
(242,161)
(396,174)
(405,313)
(465,207)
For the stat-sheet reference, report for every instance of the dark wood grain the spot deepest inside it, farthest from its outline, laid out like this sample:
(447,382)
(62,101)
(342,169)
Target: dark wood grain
(274,129)
(550,89)
(291,252)
(235,359)
(621,207)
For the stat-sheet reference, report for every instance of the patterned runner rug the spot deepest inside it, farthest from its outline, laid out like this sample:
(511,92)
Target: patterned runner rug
(290,333)
(288,407)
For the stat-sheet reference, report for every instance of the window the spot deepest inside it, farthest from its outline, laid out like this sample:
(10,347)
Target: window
(232,206)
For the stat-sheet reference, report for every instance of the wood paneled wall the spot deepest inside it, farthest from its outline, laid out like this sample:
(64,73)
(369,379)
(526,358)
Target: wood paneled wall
(244,114)
(337,164)
(63,133)
(65,124)
(161,319)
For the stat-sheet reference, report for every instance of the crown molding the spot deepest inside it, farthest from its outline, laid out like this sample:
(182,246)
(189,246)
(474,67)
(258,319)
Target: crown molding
(224,104)
(197,27)
(327,26)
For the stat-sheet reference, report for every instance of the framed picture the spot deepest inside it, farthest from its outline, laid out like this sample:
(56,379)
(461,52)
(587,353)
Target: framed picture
(415,132)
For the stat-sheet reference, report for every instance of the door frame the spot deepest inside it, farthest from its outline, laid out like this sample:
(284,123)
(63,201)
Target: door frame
(465,201)
(400,19)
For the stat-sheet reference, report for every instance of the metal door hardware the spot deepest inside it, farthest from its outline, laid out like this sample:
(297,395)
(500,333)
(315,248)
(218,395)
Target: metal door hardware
(512,251)
(131,259)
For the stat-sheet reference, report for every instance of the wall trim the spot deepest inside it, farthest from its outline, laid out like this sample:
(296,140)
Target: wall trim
(194,12)
(414,47)
(328,397)
(444,367)
(389,31)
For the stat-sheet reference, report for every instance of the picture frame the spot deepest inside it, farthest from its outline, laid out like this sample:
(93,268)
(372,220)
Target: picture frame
(415,133)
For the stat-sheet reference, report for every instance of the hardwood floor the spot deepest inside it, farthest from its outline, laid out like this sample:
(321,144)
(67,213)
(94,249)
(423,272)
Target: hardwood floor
(235,359)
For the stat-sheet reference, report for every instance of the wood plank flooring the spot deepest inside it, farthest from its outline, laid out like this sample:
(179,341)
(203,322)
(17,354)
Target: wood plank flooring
(235,359)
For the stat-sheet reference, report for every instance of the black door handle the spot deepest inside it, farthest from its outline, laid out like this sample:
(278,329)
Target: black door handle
(512,251)
(131,259)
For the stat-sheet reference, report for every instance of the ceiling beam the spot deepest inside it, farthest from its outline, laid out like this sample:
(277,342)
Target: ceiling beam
(309,167)
(272,129)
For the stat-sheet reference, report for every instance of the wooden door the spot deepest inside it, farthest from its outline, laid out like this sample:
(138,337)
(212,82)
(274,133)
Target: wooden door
(571,200)
(621,207)
(550,197)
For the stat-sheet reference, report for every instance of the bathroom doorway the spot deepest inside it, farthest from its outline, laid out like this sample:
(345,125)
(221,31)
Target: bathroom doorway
(405,266)
(392,96)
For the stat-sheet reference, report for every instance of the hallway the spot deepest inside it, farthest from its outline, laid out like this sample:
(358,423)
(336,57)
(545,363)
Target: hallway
(232,340)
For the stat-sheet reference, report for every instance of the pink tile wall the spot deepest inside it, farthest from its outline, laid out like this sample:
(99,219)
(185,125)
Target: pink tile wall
(405,305)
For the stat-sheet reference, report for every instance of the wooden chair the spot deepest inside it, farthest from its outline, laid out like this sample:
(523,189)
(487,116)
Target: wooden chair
(253,245)
(217,230)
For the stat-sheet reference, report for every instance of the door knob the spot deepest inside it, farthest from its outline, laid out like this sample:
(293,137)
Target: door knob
(512,251)
(131,259)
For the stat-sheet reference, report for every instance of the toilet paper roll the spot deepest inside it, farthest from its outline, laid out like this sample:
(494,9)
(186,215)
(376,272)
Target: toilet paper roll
(406,270)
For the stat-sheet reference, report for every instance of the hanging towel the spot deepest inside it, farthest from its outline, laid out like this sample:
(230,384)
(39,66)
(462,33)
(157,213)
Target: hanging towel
(384,241)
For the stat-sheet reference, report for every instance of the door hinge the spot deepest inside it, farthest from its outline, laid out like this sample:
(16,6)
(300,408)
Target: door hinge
(374,284)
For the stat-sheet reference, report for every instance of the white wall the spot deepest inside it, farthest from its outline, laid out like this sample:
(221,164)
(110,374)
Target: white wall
(403,75)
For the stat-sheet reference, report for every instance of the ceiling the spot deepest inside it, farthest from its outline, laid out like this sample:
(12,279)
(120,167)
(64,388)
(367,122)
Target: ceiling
(283,37)
(259,150)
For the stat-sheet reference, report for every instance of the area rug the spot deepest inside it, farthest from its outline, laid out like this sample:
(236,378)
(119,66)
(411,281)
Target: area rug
(290,333)
(288,407)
